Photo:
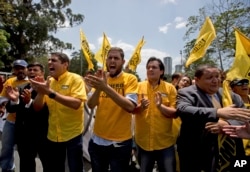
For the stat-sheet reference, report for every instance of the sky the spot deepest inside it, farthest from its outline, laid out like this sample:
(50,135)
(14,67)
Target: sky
(125,22)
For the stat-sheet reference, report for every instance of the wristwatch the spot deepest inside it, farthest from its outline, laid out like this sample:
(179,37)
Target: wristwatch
(52,95)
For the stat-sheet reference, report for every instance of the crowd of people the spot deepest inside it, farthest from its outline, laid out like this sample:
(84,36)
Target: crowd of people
(179,126)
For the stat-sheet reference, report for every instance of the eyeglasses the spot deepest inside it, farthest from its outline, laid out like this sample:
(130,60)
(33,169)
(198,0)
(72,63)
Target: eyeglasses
(241,83)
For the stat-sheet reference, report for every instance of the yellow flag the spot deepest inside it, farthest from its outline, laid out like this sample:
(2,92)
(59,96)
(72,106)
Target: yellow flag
(240,69)
(86,50)
(226,96)
(101,55)
(241,65)
(206,36)
(136,57)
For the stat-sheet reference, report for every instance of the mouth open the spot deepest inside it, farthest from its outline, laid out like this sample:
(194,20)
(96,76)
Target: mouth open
(51,69)
(33,76)
(112,68)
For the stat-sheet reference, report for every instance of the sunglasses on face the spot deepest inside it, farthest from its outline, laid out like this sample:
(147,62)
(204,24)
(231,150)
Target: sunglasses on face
(241,83)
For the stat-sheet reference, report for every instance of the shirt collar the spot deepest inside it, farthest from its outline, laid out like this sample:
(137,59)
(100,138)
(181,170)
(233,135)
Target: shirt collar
(63,76)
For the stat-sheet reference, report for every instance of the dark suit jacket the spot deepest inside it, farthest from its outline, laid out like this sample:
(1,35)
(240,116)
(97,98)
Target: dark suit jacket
(29,125)
(196,109)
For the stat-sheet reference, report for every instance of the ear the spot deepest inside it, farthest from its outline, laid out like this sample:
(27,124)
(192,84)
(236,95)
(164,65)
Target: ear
(162,72)
(66,65)
(196,79)
(123,62)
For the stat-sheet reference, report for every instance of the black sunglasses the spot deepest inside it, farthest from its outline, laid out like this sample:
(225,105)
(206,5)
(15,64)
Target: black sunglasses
(241,83)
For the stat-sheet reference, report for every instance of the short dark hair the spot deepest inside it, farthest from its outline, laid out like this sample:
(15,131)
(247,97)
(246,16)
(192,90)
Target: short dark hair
(176,75)
(161,65)
(36,64)
(200,69)
(61,56)
(117,49)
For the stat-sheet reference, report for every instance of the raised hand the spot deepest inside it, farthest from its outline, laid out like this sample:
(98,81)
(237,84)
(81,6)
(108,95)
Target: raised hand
(238,131)
(40,85)
(144,102)
(12,93)
(215,127)
(158,99)
(231,112)
(26,95)
(97,81)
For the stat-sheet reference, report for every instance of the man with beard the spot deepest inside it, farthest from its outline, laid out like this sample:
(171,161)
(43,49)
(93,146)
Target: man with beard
(30,126)
(115,96)
(8,136)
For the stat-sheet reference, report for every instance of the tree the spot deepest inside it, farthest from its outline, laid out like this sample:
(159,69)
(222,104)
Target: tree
(79,65)
(4,45)
(225,15)
(5,10)
(32,35)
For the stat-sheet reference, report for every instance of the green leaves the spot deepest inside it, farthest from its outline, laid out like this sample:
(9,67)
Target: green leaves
(225,15)
(31,26)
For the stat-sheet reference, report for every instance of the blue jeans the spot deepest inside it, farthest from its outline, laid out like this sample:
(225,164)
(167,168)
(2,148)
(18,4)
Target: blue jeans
(165,159)
(8,143)
(114,157)
(57,152)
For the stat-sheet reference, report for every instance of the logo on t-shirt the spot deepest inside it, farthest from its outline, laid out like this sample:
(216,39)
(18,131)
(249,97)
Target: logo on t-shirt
(64,87)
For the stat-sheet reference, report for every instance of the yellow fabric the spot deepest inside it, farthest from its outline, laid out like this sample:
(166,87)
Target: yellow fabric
(176,127)
(86,50)
(111,121)
(226,145)
(66,123)
(226,96)
(14,83)
(101,55)
(246,144)
(215,102)
(241,64)
(206,36)
(239,69)
(136,57)
(153,131)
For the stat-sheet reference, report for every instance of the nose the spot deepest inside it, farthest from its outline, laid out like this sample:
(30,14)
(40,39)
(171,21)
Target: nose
(112,59)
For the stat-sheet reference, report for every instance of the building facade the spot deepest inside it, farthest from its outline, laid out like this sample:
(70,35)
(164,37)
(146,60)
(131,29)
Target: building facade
(178,68)
(168,65)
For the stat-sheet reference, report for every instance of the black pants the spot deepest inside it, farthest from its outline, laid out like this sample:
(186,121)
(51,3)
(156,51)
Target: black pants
(28,150)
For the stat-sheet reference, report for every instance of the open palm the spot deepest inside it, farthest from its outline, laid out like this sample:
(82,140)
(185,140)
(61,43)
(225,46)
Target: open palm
(12,93)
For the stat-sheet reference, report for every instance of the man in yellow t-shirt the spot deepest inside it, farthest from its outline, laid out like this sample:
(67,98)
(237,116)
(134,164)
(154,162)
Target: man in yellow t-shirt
(64,93)
(115,96)
(8,137)
(153,120)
